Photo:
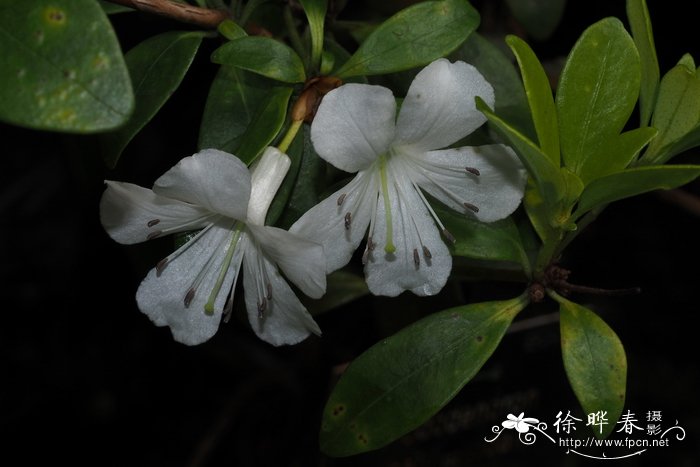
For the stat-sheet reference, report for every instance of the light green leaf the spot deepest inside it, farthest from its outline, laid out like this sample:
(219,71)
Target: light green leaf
(539,96)
(342,287)
(632,182)
(497,68)
(494,241)
(413,37)
(263,56)
(539,17)
(234,98)
(61,68)
(265,125)
(618,152)
(640,23)
(157,66)
(687,61)
(595,363)
(597,92)
(405,379)
(676,114)
(316,14)
(230,30)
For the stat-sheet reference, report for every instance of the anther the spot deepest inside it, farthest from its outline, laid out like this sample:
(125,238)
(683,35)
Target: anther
(153,222)
(262,306)
(189,296)
(154,234)
(427,253)
(348,220)
(370,243)
(341,199)
(416,258)
(269,291)
(365,256)
(473,171)
(450,238)
(471,207)
(160,266)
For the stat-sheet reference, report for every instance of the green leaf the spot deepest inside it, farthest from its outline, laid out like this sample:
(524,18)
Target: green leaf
(263,56)
(316,14)
(539,17)
(157,67)
(539,96)
(61,68)
(342,287)
(497,68)
(547,176)
(234,98)
(494,241)
(635,181)
(265,125)
(230,30)
(676,114)
(640,23)
(413,37)
(618,152)
(405,379)
(113,9)
(597,92)
(687,61)
(595,363)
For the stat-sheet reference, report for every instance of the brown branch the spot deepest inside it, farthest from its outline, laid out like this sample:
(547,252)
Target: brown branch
(204,17)
(683,199)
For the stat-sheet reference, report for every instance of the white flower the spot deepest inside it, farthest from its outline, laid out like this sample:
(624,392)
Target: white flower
(190,289)
(396,160)
(521,423)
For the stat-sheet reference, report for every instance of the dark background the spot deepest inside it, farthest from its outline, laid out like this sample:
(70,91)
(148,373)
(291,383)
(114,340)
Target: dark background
(87,379)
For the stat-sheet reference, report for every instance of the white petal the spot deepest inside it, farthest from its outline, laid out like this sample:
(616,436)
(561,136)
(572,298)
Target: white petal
(130,213)
(211,178)
(354,124)
(496,191)
(439,108)
(301,260)
(162,297)
(413,228)
(284,319)
(325,223)
(265,178)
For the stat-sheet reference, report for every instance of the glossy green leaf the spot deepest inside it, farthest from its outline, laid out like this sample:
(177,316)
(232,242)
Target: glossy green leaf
(61,68)
(342,287)
(618,152)
(537,210)
(157,66)
(264,56)
(511,103)
(316,14)
(113,8)
(640,23)
(597,92)
(635,181)
(413,37)
(494,241)
(595,363)
(539,17)
(234,98)
(402,381)
(230,30)
(546,175)
(265,125)
(539,96)
(676,114)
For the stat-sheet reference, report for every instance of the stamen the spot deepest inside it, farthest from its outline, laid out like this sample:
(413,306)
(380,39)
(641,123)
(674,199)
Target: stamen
(209,306)
(348,220)
(473,171)
(262,306)
(269,291)
(427,253)
(341,199)
(416,258)
(429,207)
(470,206)
(189,296)
(160,266)
(228,310)
(449,236)
(370,243)
(365,256)
(153,222)
(154,234)
(389,247)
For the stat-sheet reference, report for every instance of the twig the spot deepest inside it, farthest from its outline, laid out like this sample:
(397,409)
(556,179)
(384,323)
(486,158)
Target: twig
(204,17)
(682,198)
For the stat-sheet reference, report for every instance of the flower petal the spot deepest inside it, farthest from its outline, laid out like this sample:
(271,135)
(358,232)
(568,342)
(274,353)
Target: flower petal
(132,214)
(211,178)
(265,178)
(522,427)
(353,125)
(284,319)
(162,297)
(496,191)
(508,424)
(439,108)
(301,260)
(326,223)
(423,271)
